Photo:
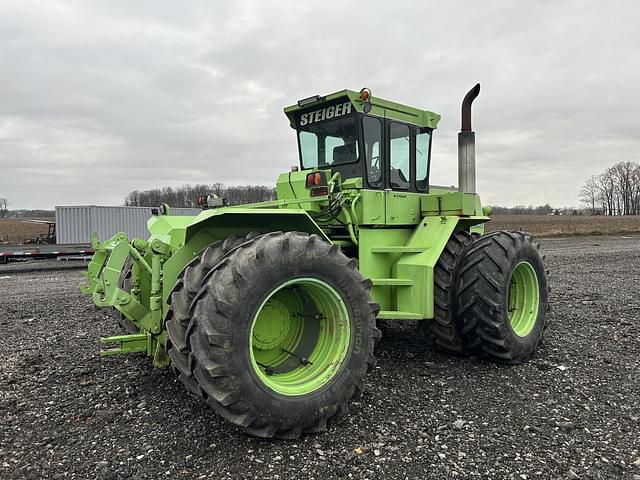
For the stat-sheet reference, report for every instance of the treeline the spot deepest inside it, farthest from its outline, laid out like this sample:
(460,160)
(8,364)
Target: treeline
(616,191)
(531,210)
(31,213)
(186,195)
(522,210)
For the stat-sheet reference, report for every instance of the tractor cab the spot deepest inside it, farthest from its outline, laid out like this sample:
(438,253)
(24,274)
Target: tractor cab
(384,143)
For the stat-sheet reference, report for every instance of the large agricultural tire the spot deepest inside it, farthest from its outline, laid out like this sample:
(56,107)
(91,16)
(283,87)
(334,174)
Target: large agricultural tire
(444,331)
(181,298)
(282,335)
(503,296)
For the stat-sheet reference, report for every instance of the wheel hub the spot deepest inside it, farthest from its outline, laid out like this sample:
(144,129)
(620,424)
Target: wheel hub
(300,336)
(272,325)
(524,299)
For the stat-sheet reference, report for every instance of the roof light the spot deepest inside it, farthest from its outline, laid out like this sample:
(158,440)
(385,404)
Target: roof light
(309,100)
(365,95)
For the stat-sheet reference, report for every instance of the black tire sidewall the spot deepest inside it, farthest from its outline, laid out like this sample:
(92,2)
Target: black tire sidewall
(340,388)
(521,347)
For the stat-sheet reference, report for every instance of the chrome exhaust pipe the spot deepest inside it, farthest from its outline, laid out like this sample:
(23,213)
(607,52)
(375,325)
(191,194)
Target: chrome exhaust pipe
(467,145)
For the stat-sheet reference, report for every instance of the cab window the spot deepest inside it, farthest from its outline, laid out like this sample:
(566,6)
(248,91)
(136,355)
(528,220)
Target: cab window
(400,155)
(372,140)
(422,158)
(308,149)
(332,142)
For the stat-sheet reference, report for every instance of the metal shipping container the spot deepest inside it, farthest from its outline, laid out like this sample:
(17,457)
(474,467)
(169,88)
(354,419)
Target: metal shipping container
(74,224)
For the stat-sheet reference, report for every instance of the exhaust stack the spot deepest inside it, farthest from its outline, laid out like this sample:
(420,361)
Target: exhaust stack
(467,145)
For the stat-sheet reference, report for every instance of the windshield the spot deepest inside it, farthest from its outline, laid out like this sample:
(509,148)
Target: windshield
(333,142)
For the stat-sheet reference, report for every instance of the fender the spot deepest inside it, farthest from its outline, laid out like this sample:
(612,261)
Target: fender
(219,223)
(223,222)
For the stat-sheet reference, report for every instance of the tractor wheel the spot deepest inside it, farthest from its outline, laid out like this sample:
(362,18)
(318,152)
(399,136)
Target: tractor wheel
(283,334)
(185,290)
(443,332)
(126,325)
(503,296)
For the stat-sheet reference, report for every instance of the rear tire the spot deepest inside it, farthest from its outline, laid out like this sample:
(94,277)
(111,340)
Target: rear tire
(503,296)
(444,331)
(185,290)
(282,335)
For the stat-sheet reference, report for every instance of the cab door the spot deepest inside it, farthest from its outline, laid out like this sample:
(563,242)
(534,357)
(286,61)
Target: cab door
(373,139)
(402,200)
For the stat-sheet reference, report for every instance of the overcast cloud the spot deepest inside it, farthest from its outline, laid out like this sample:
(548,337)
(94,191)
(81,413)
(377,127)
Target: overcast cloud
(100,98)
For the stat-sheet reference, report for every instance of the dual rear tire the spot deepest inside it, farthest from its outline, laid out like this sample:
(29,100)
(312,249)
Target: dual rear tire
(497,299)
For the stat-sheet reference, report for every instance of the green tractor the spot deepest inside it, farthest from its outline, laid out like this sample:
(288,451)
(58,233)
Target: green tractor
(268,311)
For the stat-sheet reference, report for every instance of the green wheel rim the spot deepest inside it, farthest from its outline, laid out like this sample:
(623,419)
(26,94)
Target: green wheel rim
(524,299)
(299,336)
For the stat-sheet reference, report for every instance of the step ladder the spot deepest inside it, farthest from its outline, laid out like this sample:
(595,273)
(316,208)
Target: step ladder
(396,282)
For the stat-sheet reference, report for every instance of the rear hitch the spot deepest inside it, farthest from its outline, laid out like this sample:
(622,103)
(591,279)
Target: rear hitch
(104,275)
(137,343)
(142,342)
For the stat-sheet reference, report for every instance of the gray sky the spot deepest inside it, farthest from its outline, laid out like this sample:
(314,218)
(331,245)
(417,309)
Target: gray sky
(100,98)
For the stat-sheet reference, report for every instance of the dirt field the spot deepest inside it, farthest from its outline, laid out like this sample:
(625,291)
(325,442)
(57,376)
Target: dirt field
(551,225)
(16,230)
(570,413)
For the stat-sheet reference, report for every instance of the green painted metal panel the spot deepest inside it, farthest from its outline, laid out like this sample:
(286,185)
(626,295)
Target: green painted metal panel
(449,203)
(350,183)
(480,213)
(432,233)
(402,208)
(378,265)
(292,186)
(181,257)
(371,207)
(397,249)
(379,107)
(401,282)
(136,343)
(171,230)
(230,220)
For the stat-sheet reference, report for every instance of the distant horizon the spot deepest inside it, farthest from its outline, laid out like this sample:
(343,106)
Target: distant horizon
(564,207)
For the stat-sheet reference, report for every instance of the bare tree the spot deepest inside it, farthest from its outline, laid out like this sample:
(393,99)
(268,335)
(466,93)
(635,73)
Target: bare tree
(607,186)
(4,207)
(590,194)
(616,190)
(635,191)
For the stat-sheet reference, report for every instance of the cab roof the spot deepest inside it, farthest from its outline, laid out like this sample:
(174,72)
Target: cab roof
(379,108)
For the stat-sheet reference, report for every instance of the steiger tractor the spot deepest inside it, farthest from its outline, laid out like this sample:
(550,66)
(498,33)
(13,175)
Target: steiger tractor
(268,311)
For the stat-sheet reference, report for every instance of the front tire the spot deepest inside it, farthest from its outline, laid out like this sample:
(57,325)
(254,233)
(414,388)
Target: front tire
(283,335)
(178,317)
(503,296)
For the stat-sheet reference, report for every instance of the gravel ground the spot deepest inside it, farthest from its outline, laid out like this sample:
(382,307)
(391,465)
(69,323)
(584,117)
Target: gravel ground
(28,266)
(572,412)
